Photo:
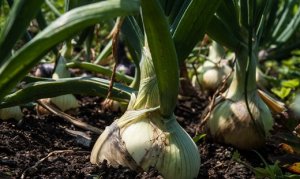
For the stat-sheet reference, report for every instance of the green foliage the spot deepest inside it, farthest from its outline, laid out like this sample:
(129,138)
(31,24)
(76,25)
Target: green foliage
(268,171)
(66,26)
(284,77)
(48,13)
(51,88)
(4,10)
(282,92)
(199,137)
(16,25)
(157,27)
(99,69)
(191,25)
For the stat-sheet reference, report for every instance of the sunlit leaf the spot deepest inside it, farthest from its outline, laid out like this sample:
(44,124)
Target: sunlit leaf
(199,137)
(291,83)
(281,92)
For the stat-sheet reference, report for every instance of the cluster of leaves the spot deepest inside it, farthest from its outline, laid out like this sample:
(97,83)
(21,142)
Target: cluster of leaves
(285,78)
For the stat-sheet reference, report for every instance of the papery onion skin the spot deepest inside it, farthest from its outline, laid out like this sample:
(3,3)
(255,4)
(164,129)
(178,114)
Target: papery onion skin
(147,140)
(231,123)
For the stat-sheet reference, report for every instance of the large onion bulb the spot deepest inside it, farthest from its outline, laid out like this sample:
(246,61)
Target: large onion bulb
(231,122)
(142,138)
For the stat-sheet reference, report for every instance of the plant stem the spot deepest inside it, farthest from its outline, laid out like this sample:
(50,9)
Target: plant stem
(163,54)
(148,95)
(237,86)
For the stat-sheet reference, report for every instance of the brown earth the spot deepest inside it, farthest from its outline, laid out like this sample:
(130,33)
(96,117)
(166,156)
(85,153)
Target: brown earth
(42,146)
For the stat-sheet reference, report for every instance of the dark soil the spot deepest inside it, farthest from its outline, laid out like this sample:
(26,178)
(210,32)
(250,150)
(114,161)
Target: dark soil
(41,146)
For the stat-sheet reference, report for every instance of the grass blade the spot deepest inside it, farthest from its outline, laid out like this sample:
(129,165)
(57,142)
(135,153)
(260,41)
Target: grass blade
(71,4)
(227,13)
(175,9)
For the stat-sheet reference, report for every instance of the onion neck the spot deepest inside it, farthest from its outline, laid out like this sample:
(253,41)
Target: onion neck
(238,85)
(148,94)
(216,52)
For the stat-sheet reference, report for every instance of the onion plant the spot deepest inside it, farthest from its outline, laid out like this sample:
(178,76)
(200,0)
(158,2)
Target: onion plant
(63,28)
(160,138)
(283,24)
(169,38)
(214,70)
(239,116)
(278,38)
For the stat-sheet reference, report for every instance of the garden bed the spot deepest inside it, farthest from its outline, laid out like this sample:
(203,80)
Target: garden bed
(43,146)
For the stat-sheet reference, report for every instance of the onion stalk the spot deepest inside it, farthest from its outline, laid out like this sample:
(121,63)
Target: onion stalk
(214,70)
(239,116)
(243,124)
(143,138)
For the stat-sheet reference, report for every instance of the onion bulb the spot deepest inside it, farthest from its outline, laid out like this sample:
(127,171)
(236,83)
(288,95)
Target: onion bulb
(230,120)
(113,105)
(213,70)
(142,138)
(11,113)
(67,101)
